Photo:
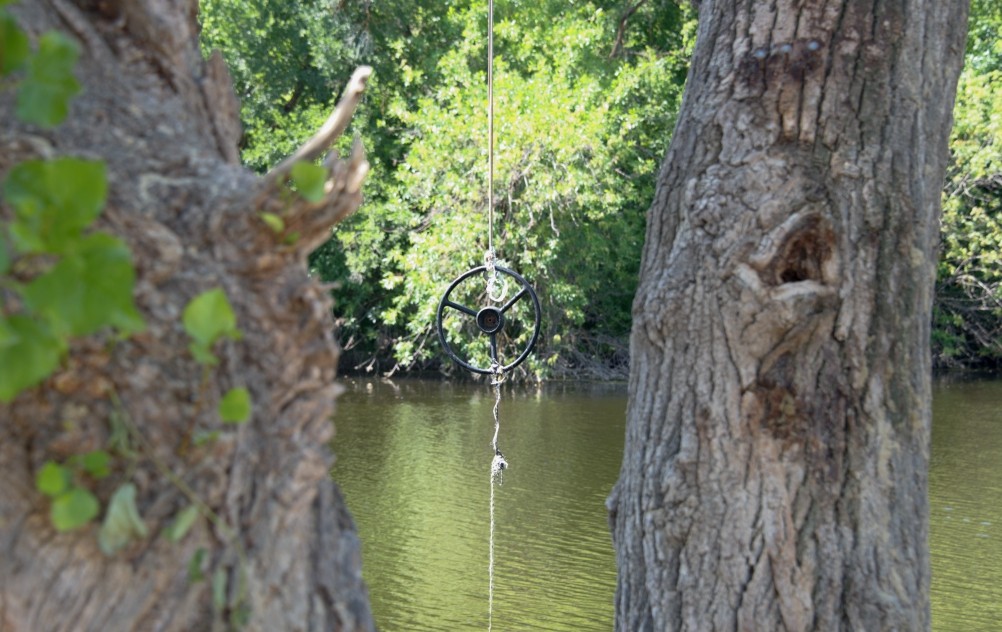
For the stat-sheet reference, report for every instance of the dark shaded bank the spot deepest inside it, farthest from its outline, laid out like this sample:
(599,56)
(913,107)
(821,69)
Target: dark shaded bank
(609,359)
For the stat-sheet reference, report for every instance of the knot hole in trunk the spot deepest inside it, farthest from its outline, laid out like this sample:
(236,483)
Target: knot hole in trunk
(805,252)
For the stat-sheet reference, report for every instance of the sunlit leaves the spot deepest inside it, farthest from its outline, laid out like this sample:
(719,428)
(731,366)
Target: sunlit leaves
(584,113)
(13,44)
(219,589)
(54,201)
(273,221)
(122,522)
(984,37)
(7,335)
(30,355)
(195,573)
(309,180)
(580,135)
(88,289)
(43,98)
(207,318)
(96,463)
(53,479)
(235,406)
(288,59)
(968,312)
(72,505)
(73,509)
(181,524)
(4,255)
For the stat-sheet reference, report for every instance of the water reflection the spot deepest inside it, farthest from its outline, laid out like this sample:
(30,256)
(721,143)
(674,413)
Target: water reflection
(414,463)
(965,506)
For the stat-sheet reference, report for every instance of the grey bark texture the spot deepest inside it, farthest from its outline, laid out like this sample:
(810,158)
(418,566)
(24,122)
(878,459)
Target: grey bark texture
(775,468)
(285,549)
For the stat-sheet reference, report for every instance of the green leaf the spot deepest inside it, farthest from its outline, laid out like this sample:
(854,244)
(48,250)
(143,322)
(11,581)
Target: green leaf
(13,44)
(219,589)
(4,255)
(73,509)
(44,96)
(235,406)
(195,573)
(53,479)
(7,335)
(30,358)
(88,290)
(274,222)
(240,616)
(54,200)
(122,522)
(182,524)
(310,180)
(206,318)
(96,463)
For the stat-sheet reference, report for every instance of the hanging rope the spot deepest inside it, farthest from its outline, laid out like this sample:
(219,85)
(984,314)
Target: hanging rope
(498,463)
(490,567)
(490,318)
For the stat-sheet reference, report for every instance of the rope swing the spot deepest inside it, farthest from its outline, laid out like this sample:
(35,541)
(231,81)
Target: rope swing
(492,316)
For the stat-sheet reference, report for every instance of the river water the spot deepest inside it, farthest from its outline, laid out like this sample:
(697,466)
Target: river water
(413,460)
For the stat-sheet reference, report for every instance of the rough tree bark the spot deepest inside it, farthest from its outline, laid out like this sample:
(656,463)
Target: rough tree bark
(166,123)
(774,475)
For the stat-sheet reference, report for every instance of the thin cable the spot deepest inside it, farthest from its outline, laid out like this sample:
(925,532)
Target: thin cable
(490,126)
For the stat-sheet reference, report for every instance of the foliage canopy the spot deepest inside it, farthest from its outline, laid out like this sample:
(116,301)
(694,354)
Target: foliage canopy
(585,100)
(968,311)
(586,96)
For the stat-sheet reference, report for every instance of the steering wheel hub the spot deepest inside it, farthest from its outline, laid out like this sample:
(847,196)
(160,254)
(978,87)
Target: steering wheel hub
(490,320)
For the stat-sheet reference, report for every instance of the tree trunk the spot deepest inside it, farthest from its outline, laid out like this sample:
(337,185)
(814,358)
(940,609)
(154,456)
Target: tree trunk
(283,550)
(774,474)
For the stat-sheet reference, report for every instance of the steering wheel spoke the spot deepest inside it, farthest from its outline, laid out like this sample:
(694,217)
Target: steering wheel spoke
(525,290)
(461,308)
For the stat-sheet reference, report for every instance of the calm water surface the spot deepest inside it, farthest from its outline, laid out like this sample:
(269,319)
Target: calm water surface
(414,460)
(965,507)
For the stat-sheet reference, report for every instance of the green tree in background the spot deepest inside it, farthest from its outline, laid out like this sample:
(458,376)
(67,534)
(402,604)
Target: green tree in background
(586,92)
(585,95)
(287,59)
(968,314)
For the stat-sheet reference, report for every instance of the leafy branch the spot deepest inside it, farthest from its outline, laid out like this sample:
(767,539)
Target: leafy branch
(58,278)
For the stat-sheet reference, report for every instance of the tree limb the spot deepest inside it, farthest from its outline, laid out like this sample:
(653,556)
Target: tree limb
(332,128)
(621,31)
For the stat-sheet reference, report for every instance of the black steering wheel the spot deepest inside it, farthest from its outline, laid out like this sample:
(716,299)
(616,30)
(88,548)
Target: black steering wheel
(490,319)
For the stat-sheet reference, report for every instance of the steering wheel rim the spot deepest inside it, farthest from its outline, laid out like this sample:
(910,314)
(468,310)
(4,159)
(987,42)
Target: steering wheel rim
(487,325)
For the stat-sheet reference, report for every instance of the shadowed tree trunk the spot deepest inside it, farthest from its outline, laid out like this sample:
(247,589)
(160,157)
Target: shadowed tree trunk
(774,475)
(284,549)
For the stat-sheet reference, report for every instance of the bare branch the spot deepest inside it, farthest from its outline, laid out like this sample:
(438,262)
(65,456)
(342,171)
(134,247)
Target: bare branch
(332,128)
